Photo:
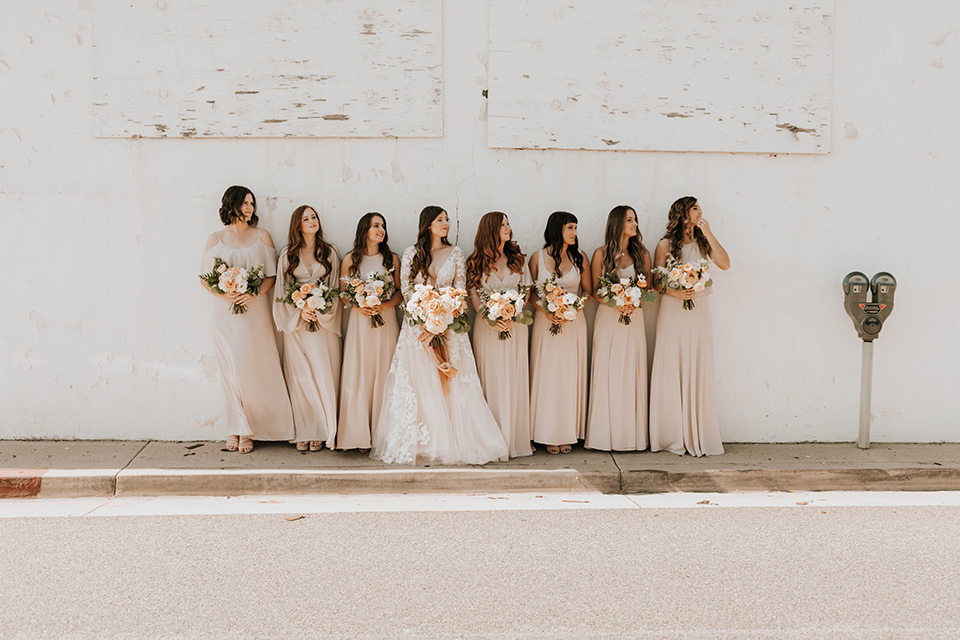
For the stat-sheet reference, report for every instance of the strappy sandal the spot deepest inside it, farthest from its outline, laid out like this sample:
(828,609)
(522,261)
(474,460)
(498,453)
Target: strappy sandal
(553,449)
(364,450)
(316,446)
(303,446)
(233,443)
(565,448)
(246,444)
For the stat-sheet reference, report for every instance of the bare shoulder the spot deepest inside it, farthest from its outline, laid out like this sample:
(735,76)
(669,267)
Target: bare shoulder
(347,260)
(396,261)
(265,238)
(584,254)
(212,241)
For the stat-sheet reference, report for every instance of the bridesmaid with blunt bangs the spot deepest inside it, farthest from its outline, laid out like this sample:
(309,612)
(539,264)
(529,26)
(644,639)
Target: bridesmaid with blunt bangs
(257,406)
(311,360)
(617,418)
(503,365)
(368,349)
(558,363)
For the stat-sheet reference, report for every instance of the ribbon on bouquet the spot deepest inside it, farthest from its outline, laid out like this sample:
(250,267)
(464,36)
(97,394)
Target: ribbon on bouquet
(438,347)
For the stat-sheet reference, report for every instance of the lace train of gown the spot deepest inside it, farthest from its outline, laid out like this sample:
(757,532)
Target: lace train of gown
(418,422)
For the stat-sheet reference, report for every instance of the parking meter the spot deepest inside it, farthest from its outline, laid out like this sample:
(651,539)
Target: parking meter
(868,316)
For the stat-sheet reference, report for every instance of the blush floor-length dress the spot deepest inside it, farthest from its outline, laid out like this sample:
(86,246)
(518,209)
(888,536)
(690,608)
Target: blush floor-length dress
(367,353)
(418,421)
(311,360)
(558,371)
(504,369)
(257,405)
(617,418)
(683,400)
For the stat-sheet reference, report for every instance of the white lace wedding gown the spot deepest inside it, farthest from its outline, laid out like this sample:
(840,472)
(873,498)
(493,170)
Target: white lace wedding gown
(418,422)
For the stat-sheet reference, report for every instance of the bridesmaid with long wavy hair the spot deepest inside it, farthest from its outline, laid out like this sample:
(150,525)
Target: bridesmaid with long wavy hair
(683,402)
(311,360)
(368,349)
(617,418)
(257,406)
(503,365)
(424,419)
(558,363)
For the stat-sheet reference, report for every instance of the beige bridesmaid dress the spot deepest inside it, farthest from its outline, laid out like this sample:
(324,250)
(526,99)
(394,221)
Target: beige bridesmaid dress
(311,360)
(503,366)
(683,401)
(617,419)
(558,371)
(367,354)
(257,405)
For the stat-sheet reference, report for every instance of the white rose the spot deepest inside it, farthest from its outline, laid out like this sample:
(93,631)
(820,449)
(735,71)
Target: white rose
(242,286)
(569,298)
(435,325)
(513,294)
(570,315)
(551,307)
(699,286)
(300,303)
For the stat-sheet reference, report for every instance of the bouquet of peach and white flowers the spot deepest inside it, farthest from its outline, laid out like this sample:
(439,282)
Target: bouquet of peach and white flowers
(692,275)
(504,305)
(311,296)
(227,279)
(367,293)
(558,302)
(436,310)
(624,294)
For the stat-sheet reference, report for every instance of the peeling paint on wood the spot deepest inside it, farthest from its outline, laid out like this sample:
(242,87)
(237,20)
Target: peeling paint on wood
(663,75)
(330,69)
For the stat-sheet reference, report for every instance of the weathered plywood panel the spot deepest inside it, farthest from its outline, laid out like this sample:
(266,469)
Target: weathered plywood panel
(669,75)
(210,68)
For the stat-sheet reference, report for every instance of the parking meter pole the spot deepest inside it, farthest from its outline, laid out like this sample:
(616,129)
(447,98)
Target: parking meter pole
(866,387)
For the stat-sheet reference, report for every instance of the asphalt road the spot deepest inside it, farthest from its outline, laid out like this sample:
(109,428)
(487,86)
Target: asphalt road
(654,572)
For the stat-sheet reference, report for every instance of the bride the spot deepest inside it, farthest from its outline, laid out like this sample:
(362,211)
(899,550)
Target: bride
(419,422)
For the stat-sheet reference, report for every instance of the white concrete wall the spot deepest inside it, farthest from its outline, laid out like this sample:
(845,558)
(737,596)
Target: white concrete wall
(102,331)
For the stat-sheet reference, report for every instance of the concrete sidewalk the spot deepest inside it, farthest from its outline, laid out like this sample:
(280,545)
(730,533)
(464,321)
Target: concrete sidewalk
(80,468)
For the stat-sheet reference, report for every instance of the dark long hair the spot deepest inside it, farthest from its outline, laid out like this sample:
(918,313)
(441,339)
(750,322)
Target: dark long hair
(423,257)
(230,204)
(360,243)
(611,241)
(486,250)
(677,222)
(553,241)
(296,242)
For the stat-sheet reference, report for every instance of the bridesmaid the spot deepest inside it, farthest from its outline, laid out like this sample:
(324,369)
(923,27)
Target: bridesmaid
(311,360)
(368,349)
(257,406)
(617,419)
(683,404)
(503,365)
(558,364)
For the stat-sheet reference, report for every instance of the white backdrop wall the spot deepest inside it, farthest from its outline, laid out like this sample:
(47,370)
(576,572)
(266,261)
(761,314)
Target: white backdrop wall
(103,332)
